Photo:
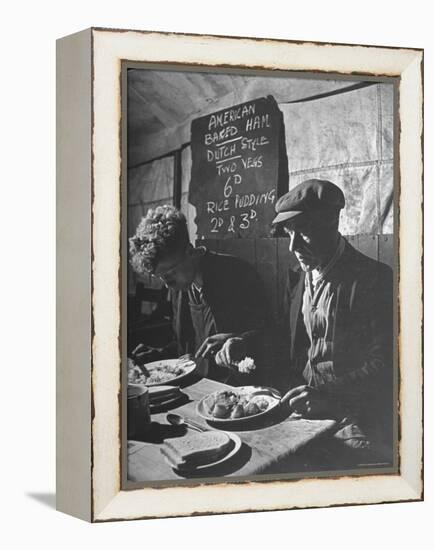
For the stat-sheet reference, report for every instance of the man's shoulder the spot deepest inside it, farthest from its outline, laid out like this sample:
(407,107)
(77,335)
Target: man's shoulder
(358,265)
(224,262)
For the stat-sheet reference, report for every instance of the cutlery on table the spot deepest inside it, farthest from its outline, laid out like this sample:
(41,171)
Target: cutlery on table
(178,420)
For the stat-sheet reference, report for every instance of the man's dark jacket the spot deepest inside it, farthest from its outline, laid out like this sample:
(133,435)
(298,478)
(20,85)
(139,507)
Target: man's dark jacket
(360,376)
(235,295)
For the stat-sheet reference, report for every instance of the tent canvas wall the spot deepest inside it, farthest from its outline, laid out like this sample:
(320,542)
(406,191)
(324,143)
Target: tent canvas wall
(334,129)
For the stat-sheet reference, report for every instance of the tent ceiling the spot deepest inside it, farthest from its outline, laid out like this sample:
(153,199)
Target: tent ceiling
(161,99)
(161,104)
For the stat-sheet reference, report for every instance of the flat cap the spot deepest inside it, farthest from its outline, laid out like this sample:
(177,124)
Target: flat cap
(310,196)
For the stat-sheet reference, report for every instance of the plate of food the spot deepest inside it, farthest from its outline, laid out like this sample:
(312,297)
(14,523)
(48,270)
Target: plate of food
(163,372)
(200,451)
(238,404)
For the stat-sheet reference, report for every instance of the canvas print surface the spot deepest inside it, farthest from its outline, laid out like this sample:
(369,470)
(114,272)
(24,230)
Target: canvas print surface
(260,253)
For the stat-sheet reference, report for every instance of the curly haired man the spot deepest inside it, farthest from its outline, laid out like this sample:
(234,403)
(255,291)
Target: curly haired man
(217,299)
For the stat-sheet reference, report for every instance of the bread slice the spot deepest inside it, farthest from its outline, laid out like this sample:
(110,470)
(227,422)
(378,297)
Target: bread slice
(197,449)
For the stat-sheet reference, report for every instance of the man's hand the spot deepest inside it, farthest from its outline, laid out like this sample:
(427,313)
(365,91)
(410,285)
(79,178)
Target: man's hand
(145,354)
(234,349)
(308,401)
(212,345)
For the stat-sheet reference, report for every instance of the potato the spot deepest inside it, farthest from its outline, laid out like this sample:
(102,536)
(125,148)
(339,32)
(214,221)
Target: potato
(251,409)
(238,412)
(221,411)
(262,404)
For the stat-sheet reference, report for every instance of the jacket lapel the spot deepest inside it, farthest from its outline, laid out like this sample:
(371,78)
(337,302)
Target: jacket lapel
(296,281)
(345,293)
(181,320)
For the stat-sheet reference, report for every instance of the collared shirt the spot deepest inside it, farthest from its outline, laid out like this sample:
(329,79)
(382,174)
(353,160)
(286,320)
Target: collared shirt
(319,301)
(316,275)
(195,294)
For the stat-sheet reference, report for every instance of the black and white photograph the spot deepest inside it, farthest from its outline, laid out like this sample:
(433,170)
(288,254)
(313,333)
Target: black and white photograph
(217,233)
(240,277)
(260,266)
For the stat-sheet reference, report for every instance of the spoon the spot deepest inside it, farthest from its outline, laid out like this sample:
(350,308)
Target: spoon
(178,420)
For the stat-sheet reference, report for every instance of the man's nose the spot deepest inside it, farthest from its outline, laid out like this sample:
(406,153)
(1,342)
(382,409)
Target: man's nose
(292,241)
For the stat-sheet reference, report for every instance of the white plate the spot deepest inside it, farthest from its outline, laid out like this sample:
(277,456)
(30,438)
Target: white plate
(170,402)
(190,366)
(272,395)
(234,450)
(163,393)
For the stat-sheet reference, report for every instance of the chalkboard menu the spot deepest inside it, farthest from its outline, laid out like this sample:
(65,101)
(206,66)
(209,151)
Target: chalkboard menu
(239,169)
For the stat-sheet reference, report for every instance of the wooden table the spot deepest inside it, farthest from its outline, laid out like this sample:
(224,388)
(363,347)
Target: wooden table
(265,446)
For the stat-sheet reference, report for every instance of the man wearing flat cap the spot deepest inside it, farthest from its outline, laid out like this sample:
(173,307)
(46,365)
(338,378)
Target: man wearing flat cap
(339,312)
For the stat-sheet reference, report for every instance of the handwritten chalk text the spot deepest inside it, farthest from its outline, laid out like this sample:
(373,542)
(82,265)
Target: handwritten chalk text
(255,199)
(221,119)
(221,136)
(258,122)
(253,143)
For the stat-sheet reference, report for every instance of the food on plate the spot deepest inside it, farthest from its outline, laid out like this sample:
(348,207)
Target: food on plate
(135,374)
(246,365)
(221,410)
(157,373)
(261,402)
(237,411)
(196,449)
(252,408)
(231,404)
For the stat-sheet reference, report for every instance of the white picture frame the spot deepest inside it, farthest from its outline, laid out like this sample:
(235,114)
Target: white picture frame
(89,231)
